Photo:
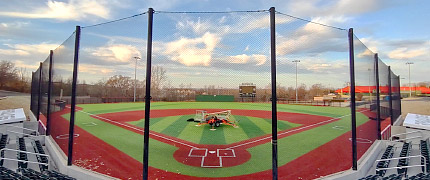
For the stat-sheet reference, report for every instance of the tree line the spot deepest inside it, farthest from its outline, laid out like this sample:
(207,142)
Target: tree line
(13,78)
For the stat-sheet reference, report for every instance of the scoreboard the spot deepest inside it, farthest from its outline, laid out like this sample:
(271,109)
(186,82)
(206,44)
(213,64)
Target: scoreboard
(247,90)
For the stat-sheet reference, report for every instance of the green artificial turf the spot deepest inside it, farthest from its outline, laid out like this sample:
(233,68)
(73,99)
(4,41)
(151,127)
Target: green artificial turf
(161,154)
(178,126)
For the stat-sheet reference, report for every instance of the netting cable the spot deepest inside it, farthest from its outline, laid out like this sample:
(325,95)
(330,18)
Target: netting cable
(311,21)
(116,20)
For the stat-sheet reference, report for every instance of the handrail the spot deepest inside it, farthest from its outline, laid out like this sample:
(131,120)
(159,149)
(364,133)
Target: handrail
(21,133)
(407,133)
(391,138)
(397,140)
(31,162)
(37,133)
(386,129)
(27,152)
(401,167)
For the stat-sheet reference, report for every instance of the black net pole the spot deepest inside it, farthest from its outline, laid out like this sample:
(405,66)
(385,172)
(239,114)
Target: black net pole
(147,95)
(378,100)
(32,93)
(39,92)
(48,118)
(274,98)
(390,96)
(73,99)
(352,93)
(400,96)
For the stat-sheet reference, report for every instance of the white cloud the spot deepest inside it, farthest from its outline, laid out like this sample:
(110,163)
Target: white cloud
(22,64)
(247,48)
(70,10)
(405,53)
(95,69)
(28,49)
(115,53)
(198,27)
(324,65)
(258,59)
(193,51)
(311,38)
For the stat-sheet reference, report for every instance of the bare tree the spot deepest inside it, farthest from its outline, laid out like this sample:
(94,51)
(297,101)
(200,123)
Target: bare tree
(158,79)
(8,74)
(120,86)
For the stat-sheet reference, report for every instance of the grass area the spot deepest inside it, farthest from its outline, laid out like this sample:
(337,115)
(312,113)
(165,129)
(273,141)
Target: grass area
(249,127)
(161,154)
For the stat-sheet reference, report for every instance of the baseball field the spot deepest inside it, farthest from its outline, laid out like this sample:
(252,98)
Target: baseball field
(313,141)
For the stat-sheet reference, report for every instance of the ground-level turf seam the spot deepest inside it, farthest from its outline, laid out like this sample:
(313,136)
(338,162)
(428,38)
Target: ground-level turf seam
(137,129)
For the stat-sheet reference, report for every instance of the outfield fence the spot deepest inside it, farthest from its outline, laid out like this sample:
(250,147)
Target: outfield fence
(316,90)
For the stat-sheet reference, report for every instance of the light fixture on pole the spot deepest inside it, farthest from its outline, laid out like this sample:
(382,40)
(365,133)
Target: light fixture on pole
(296,61)
(410,88)
(135,79)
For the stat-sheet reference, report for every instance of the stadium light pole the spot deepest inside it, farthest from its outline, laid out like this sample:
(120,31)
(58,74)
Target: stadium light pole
(135,79)
(410,88)
(297,97)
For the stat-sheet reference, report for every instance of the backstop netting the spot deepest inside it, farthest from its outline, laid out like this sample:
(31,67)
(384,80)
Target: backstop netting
(62,73)
(312,72)
(44,92)
(34,104)
(396,96)
(109,98)
(200,63)
(383,92)
(366,106)
(211,110)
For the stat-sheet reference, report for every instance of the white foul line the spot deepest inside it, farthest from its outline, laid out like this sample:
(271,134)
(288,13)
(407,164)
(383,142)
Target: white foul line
(137,129)
(294,130)
(239,145)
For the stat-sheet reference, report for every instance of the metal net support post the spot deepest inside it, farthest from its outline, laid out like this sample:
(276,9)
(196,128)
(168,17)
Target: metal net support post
(390,96)
(148,95)
(73,99)
(352,93)
(274,98)
(378,98)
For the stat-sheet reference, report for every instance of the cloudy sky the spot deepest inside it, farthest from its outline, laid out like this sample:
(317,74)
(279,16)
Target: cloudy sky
(222,49)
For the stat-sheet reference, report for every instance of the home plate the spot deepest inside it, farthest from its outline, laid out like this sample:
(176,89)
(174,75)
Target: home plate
(212,152)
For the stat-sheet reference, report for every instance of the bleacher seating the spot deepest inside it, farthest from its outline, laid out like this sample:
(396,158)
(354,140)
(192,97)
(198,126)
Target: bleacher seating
(57,175)
(370,177)
(377,177)
(406,150)
(37,146)
(419,176)
(3,142)
(32,174)
(20,155)
(424,148)
(8,174)
(384,164)
(393,177)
